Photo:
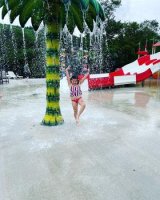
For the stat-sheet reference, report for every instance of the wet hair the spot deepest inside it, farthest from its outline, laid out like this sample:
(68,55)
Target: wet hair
(74,77)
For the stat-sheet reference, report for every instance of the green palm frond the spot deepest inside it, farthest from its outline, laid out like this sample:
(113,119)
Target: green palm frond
(32,9)
(27,12)
(95,5)
(15,12)
(37,11)
(101,13)
(37,18)
(70,22)
(13,3)
(77,16)
(84,4)
(4,11)
(2,3)
(90,22)
(62,16)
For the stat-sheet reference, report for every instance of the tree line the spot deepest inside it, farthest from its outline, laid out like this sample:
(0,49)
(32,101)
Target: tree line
(120,42)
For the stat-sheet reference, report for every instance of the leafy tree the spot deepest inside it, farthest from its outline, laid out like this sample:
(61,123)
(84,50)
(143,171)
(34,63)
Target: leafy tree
(109,32)
(124,39)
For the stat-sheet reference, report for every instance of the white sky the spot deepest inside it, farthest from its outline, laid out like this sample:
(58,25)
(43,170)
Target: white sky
(130,10)
(138,10)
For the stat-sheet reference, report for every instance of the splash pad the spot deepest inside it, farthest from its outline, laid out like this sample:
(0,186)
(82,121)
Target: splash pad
(115,148)
(55,15)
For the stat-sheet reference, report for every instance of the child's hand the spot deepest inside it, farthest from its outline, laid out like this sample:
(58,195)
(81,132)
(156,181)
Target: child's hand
(68,68)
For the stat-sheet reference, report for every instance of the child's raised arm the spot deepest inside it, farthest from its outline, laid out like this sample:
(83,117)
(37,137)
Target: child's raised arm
(85,76)
(67,75)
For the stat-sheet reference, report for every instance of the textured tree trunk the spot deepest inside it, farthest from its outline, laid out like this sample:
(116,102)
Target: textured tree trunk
(53,115)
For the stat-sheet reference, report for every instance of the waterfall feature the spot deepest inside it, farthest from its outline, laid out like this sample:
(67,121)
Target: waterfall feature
(39,59)
(27,71)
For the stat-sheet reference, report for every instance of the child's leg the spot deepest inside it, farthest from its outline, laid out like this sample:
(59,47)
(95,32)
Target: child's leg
(82,107)
(75,109)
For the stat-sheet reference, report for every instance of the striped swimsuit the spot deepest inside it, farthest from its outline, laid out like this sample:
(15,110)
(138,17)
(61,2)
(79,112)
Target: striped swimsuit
(75,91)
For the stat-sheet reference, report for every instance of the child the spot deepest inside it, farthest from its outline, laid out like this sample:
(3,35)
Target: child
(76,94)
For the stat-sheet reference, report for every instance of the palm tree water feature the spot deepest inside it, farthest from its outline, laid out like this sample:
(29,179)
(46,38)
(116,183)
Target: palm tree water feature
(55,14)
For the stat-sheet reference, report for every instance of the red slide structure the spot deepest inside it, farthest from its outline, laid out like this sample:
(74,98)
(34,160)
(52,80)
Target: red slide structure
(137,71)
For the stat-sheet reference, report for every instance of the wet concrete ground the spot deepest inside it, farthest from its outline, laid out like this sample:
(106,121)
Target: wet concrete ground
(114,154)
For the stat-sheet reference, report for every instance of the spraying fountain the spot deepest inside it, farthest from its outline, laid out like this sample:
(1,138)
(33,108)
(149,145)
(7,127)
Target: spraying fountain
(55,14)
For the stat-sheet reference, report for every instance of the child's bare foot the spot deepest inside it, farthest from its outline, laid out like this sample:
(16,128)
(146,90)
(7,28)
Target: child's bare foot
(77,120)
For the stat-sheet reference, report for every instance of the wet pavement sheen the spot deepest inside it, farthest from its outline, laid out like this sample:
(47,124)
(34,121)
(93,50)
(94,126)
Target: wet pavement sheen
(113,154)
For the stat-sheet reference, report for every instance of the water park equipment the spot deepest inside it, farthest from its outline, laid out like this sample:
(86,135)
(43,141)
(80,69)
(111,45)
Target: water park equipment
(132,73)
(55,15)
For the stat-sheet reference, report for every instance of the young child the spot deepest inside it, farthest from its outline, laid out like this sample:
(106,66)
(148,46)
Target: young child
(76,94)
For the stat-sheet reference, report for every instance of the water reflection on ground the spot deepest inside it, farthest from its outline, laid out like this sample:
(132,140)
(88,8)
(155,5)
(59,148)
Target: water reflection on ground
(116,147)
